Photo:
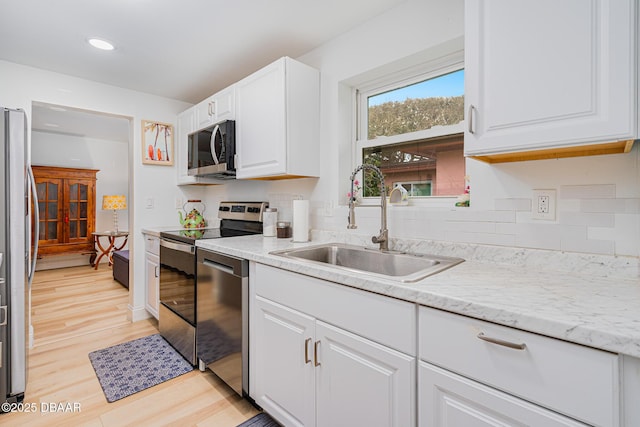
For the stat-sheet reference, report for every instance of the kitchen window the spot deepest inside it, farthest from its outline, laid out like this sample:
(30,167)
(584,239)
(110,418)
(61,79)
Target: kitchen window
(411,127)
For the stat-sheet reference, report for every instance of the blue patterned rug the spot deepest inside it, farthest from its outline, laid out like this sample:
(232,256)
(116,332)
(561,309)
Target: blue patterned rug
(133,366)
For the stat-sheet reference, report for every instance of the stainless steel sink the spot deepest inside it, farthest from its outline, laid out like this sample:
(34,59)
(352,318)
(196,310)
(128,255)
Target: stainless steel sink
(388,265)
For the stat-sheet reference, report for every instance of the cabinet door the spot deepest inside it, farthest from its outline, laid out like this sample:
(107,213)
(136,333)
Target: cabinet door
(186,125)
(449,400)
(547,74)
(79,207)
(224,104)
(362,383)
(152,276)
(284,371)
(205,113)
(260,130)
(51,203)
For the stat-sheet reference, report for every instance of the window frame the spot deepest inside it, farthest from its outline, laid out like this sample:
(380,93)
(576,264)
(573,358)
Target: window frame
(421,72)
(412,183)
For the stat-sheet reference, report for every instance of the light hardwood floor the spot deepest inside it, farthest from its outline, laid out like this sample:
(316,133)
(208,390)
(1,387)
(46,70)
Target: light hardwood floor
(78,310)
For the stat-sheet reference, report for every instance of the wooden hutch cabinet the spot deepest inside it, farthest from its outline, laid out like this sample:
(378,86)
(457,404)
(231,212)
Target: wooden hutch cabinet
(67,199)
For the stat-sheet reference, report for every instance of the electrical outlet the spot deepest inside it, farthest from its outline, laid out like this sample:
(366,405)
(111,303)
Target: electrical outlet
(544,205)
(148,202)
(178,203)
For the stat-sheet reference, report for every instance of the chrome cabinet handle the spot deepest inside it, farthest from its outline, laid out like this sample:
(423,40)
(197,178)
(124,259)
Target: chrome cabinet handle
(156,270)
(315,353)
(470,118)
(503,343)
(178,246)
(306,351)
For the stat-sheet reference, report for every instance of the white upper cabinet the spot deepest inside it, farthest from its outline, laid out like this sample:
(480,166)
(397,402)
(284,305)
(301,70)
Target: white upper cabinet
(216,108)
(186,125)
(549,74)
(278,122)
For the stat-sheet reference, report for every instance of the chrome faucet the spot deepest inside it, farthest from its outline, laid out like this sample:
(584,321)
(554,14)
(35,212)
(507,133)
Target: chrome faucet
(383,237)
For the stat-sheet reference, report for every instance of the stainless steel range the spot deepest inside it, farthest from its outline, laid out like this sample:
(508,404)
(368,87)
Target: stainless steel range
(179,314)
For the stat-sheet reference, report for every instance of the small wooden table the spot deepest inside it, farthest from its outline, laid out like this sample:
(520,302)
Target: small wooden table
(109,250)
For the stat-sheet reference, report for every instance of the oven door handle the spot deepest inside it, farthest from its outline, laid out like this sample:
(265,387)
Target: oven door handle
(218,266)
(190,249)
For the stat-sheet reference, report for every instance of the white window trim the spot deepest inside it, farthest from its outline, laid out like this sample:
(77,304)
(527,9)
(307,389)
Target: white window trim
(415,74)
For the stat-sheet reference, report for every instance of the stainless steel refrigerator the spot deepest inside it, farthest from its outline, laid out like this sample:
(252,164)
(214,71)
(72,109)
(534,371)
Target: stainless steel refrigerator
(17,262)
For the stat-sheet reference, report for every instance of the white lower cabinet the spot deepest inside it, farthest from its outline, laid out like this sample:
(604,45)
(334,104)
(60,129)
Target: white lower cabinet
(476,373)
(284,381)
(450,400)
(309,371)
(359,382)
(152,274)
(324,354)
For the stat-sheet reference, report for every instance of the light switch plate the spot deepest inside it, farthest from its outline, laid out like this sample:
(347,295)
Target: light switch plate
(544,205)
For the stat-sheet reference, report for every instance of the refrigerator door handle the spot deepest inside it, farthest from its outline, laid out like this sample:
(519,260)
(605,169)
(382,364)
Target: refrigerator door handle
(36,231)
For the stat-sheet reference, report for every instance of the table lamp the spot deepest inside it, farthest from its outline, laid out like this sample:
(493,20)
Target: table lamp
(116,203)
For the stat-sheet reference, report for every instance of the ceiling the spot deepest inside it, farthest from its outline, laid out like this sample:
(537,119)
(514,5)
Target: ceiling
(184,50)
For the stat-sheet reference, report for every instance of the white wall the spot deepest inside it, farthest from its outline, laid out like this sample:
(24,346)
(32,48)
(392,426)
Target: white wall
(21,85)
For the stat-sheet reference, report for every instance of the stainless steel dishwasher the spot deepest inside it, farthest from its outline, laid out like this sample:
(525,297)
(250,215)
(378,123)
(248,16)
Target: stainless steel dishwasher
(223,317)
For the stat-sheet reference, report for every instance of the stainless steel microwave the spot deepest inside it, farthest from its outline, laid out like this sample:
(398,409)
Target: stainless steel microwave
(212,151)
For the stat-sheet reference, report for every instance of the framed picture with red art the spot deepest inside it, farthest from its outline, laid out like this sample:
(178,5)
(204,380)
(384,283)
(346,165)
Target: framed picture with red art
(157,143)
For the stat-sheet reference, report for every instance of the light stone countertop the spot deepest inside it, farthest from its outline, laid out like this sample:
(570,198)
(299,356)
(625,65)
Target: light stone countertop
(155,231)
(586,299)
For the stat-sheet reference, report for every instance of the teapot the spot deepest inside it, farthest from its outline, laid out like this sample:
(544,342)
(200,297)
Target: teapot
(193,219)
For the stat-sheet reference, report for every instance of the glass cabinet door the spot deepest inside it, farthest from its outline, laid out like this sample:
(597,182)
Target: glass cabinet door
(78,205)
(50,209)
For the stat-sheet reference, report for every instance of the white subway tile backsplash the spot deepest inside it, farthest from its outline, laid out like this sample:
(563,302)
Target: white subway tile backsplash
(481,216)
(569,205)
(483,238)
(470,226)
(587,218)
(513,205)
(590,220)
(621,206)
(540,236)
(605,247)
(601,233)
(574,239)
(506,228)
(600,191)
(627,235)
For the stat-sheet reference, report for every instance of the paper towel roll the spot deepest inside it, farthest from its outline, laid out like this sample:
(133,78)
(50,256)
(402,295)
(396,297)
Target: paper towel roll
(300,220)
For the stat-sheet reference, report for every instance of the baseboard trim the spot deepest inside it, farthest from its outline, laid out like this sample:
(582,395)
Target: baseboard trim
(137,313)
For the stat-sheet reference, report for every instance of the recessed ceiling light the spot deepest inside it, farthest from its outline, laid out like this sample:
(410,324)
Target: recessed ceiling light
(101,44)
(52,125)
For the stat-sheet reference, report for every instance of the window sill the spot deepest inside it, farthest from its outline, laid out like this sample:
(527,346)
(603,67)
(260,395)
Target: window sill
(433,202)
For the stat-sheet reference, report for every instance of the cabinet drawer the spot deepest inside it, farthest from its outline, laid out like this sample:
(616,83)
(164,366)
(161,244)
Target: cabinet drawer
(381,319)
(151,244)
(450,400)
(571,379)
